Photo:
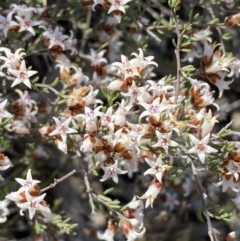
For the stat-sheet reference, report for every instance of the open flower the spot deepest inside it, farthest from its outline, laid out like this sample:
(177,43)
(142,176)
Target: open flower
(34,204)
(112,171)
(62,128)
(164,141)
(200,147)
(157,168)
(28,183)
(26,23)
(22,75)
(7,23)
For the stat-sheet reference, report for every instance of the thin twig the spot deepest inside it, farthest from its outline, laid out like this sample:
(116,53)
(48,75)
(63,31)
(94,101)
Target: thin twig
(89,191)
(144,8)
(217,28)
(177,53)
(202,193)
(56,181)
(48,87)
(92,195)
(151,34)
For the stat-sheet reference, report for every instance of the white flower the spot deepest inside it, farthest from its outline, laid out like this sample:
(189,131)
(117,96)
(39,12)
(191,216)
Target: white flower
(127,67)
(233,168)
(108,118)
(134,92)
(90,115)
(3,113)
(157,168)
(200,147)
(56,38)
(26,24)
(117,5)
(62,128)
(164,141)
(109,233)
(22,75)
(152,192)
(155,108)
(203,35)
(112,171)
(142,62)
(12,60)
(21,10)
(132,233)
(227,181)
(97,58)
(36,203)
(70,43)
(28,183)
(7,23)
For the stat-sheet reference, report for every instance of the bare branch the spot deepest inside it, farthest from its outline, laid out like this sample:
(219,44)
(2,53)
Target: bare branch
(177,53)
(56,181)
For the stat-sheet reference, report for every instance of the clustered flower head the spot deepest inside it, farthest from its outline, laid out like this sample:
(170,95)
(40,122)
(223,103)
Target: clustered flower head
(16,66)
(131,223)
(216,64)
(23,20)
(57,43)
(28,197)
(115,136)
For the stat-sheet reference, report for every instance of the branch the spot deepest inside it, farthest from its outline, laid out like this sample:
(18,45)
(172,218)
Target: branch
(56,181)
(92,195)
(217,28)
(48,87)
(89,191)
(202,193)
(151,34)
(177,53)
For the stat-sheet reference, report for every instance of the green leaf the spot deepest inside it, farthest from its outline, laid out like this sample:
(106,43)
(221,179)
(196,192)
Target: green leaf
(104,198)
(108,191)
(200,214)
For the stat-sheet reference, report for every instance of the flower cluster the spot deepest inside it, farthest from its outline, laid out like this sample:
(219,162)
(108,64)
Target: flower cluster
(16,66)
(25,110)
(216,64)
(27,197)
(23,17)
(57,42)
(131,223)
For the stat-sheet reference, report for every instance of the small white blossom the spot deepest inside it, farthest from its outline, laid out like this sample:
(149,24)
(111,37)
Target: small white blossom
(62,128)
(22,75)
(200,147)
(34,204)
(112,172)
